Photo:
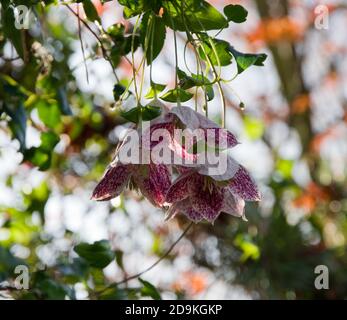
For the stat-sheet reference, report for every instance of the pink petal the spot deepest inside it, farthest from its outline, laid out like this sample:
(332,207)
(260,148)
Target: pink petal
(220,138)
(223,171)
(179,189)
(233,204)
(192,119)
(112,183)
(243,185)
(154,182)
(164,131)
(182,153)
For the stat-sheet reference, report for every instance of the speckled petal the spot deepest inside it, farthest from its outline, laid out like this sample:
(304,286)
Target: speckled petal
(207,201)
(243,185)
(154,182)
(112,183)
(179,189)
(193,215)
(185,208)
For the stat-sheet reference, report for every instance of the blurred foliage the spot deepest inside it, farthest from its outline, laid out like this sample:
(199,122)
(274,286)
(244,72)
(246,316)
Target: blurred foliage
(268,256)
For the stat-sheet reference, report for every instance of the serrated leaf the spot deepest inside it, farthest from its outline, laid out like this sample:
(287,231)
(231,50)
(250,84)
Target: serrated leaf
(176,94)
(97,254)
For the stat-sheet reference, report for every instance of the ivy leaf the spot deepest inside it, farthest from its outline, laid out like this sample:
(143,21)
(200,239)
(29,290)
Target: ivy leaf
(236,13)
(149,290)
(148,113)
(90,11)
(155,88)
(176,94)
(195,15)
(245,60)
(152,35)
(98,254)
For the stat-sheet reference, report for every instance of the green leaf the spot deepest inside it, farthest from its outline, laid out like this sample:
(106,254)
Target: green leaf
(194,15)
(236,13)
(49,113)
(148,113)
(63,101)
(149,290)
(10,31)
(209,92)
(176,94)
(90,11)
(98,254)
(216,50)
(152,35)
(187,82)
(17,123)
(155,89)
(245,60)
(42,156)
(118,91)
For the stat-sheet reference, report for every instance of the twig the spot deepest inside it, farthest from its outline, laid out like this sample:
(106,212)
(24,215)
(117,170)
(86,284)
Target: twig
(151,266)
(103,49)
(159,260)
(81,42)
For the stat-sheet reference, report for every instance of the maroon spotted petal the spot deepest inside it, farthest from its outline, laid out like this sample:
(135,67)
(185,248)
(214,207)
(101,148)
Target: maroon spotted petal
(243,185)
(154,182)
(179,189)
(113,182)
(185,208)
(208,201)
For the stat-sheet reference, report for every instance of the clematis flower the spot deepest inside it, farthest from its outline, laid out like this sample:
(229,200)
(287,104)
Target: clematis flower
(188,118)
(201,197)
(153,180)
(186,146)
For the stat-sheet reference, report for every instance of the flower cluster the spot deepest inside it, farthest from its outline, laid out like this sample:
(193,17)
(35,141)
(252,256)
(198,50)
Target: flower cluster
(196,192)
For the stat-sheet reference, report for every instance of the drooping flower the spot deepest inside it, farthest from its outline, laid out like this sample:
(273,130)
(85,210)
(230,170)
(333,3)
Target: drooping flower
(201,197)
(153,180)
(187,118)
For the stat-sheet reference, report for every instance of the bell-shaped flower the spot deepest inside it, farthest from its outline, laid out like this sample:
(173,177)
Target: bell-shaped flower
(153,180)
(202,197)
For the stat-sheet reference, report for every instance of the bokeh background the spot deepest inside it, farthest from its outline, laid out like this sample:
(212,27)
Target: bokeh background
(293,135)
